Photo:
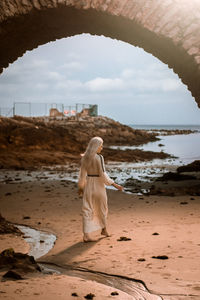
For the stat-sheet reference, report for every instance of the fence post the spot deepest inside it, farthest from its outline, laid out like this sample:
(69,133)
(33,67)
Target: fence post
(76,112)
(62,111)
(14,110)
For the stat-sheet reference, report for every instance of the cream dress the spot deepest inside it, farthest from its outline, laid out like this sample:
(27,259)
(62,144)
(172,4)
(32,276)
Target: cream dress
(95,208)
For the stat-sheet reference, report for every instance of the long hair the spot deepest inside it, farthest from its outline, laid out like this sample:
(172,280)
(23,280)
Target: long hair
(91,150)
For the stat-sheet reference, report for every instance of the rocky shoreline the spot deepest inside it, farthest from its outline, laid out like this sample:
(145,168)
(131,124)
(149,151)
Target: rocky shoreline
(184,181)
(164,132)
(29,143)
(38,143)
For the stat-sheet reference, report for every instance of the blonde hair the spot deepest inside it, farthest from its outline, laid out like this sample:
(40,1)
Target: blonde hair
(91,150)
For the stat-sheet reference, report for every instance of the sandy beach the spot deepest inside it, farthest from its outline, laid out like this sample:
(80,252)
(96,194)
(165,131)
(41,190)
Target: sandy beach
(155,225)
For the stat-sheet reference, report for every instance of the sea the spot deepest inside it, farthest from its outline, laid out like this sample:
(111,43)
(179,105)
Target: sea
(185,148)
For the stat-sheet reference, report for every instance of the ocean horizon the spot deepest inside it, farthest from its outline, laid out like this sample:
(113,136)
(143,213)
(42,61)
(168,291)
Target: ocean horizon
(166,126)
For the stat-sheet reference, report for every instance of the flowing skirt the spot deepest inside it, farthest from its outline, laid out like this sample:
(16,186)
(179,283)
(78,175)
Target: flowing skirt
(95,208)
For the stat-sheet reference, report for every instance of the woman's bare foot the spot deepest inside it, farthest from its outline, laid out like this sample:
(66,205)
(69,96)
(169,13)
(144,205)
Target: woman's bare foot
(87,238)
(105,232)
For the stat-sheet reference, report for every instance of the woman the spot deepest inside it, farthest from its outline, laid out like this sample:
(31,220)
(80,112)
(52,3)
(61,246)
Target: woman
(91,184)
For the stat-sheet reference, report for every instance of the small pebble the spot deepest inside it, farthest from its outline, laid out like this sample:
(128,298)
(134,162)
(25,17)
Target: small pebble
(8,194)
(89,296)
(114,293)
(123,238)
(141,259)
(161,257)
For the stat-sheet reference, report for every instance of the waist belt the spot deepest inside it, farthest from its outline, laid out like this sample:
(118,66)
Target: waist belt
(93,175)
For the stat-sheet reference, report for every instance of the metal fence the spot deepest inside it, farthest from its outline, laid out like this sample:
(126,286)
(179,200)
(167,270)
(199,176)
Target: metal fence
(6,111)
(28,109)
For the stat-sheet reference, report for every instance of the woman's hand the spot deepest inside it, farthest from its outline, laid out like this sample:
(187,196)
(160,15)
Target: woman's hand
(118,187)
(80,192)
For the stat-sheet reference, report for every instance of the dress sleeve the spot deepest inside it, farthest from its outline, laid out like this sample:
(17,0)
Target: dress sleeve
(82,178)
(102,172)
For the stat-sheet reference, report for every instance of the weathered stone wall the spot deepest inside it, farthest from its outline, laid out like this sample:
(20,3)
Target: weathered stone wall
(169,29)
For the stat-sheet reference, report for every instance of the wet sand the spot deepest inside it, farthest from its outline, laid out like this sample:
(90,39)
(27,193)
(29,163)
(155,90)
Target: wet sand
(156,225)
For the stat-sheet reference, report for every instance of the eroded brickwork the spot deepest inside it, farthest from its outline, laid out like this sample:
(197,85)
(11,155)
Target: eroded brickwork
(169,29)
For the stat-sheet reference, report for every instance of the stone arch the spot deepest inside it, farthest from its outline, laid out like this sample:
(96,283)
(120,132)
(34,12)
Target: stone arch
(168,29)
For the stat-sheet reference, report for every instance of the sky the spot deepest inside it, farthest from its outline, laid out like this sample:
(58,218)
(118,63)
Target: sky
(128,84)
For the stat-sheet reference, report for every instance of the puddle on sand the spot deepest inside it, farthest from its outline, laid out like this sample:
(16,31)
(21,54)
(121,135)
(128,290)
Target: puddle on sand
(40,242)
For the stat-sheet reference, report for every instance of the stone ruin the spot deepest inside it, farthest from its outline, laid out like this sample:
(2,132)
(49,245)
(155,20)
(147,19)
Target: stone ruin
(54,112)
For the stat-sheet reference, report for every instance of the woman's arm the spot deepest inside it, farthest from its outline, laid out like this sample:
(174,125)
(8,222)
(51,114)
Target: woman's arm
(117,186)
(81,180)
(107,179)
(102,172)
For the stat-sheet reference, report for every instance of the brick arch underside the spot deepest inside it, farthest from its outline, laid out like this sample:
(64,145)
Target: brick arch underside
(27,32)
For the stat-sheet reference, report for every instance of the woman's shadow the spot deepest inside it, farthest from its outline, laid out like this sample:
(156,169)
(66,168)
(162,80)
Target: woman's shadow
(74,253)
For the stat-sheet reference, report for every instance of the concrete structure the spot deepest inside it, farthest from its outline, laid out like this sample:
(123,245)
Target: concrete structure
(169,29)
(55,113)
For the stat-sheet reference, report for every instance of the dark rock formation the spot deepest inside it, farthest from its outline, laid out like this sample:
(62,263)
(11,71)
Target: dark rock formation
(193,167)
(17,264)
(12,275)
(132,155)
(6,227)
(175,177)
(33,142)
(186,187)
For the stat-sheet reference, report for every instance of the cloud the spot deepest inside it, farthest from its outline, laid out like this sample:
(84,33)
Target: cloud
(41,86)
(171,85)
(104,84)
(55,76)
(73,66)
(151,79)
(135,82)
(128,73)
(73,56)
(69,85)
(38,63)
